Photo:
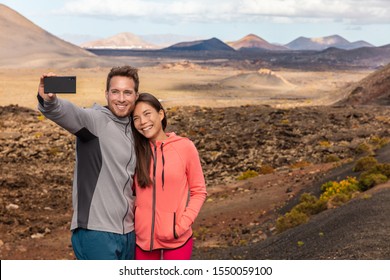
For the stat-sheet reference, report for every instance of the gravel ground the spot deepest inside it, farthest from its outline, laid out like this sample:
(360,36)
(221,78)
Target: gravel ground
(357,230)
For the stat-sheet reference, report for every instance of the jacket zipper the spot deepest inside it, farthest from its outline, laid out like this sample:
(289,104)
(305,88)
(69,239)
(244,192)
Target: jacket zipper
(128,179)
(154,198)
(174,223)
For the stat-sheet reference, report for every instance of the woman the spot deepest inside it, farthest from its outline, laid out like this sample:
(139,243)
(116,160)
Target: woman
(169,185)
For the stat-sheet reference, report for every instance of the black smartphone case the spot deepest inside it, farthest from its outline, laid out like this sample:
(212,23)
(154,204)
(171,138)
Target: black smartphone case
(60,84)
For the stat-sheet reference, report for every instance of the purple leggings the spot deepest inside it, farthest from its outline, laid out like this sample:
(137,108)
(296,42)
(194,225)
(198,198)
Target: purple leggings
(182,253)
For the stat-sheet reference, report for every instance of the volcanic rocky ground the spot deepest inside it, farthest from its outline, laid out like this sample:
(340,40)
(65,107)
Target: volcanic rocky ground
(300,145)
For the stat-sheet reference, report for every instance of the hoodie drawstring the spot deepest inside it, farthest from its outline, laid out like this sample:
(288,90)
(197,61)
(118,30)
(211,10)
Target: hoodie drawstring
(163,163)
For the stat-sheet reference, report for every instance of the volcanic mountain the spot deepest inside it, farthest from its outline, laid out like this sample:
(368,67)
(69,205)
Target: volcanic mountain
(321,43)
(254,41)
(212,44)
(125,40)
(22,43)
(372,90)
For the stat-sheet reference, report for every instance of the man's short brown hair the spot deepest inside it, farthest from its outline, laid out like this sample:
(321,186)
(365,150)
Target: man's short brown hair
(124,71)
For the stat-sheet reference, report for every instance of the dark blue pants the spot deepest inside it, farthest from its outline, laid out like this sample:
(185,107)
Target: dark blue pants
(101,245)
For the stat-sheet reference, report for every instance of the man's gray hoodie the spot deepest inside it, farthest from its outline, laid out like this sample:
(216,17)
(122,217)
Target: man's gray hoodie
(105,165)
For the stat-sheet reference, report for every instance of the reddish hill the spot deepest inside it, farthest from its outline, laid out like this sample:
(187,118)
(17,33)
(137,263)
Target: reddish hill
(372,90)
(253,41)
(23,43)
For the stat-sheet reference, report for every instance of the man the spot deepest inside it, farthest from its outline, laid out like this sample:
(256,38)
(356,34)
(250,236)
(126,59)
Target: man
(103,218)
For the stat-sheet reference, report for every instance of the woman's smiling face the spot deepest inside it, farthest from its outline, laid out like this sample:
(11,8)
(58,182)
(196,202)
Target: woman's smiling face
(147,121)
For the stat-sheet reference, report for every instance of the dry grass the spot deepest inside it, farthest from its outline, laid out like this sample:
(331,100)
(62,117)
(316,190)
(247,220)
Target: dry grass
(196,86)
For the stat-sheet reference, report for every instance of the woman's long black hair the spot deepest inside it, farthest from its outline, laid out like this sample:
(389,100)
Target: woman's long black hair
(143,150)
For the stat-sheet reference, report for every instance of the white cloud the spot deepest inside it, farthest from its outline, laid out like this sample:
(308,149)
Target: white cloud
(347,11)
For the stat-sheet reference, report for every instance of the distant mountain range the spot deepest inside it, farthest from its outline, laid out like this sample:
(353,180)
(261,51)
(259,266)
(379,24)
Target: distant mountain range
(321,43)
(127,40)
(166,40)
(24,44)
(124,40)
(251,41)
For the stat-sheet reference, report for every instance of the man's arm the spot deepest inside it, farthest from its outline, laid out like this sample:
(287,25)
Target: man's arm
(63,112)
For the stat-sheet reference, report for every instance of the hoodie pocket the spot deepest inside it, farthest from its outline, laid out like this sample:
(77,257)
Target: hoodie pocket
(165,225)
(142,224)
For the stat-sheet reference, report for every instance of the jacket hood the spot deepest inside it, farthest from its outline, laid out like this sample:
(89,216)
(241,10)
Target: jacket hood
(172,137)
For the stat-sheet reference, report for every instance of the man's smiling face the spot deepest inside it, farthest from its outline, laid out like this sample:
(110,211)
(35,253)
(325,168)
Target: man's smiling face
(121,96)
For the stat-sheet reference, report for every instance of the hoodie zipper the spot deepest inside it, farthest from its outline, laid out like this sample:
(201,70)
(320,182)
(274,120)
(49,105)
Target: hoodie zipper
(154,198)
(128,179)
(163,164)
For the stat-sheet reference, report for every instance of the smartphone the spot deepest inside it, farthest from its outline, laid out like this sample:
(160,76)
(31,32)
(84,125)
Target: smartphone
(60,84)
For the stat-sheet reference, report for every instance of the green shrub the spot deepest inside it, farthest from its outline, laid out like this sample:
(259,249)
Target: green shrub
(374,173)
(364,148)
(338,199)
(346,187)
(335,193)
(248,174)
(379,142)
(310,205)
(367,180)
(331,158)
(291,219)
(383,168)
(365,163)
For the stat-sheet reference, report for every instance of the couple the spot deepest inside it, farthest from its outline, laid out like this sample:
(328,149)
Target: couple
(137,190)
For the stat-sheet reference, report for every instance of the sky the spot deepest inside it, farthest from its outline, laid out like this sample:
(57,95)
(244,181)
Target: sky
(276,21)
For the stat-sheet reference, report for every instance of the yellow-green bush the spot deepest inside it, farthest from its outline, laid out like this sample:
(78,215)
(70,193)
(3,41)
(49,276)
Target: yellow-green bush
(374,173)
(382,168)
(285,121)
(291,219)
(41,117)
(248,174)
(331,158)
(324,143)
(365,163)
(338,199)
(364,148)
(346,187)
(337,192)
(367,180)
(310,205)
(378,142)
